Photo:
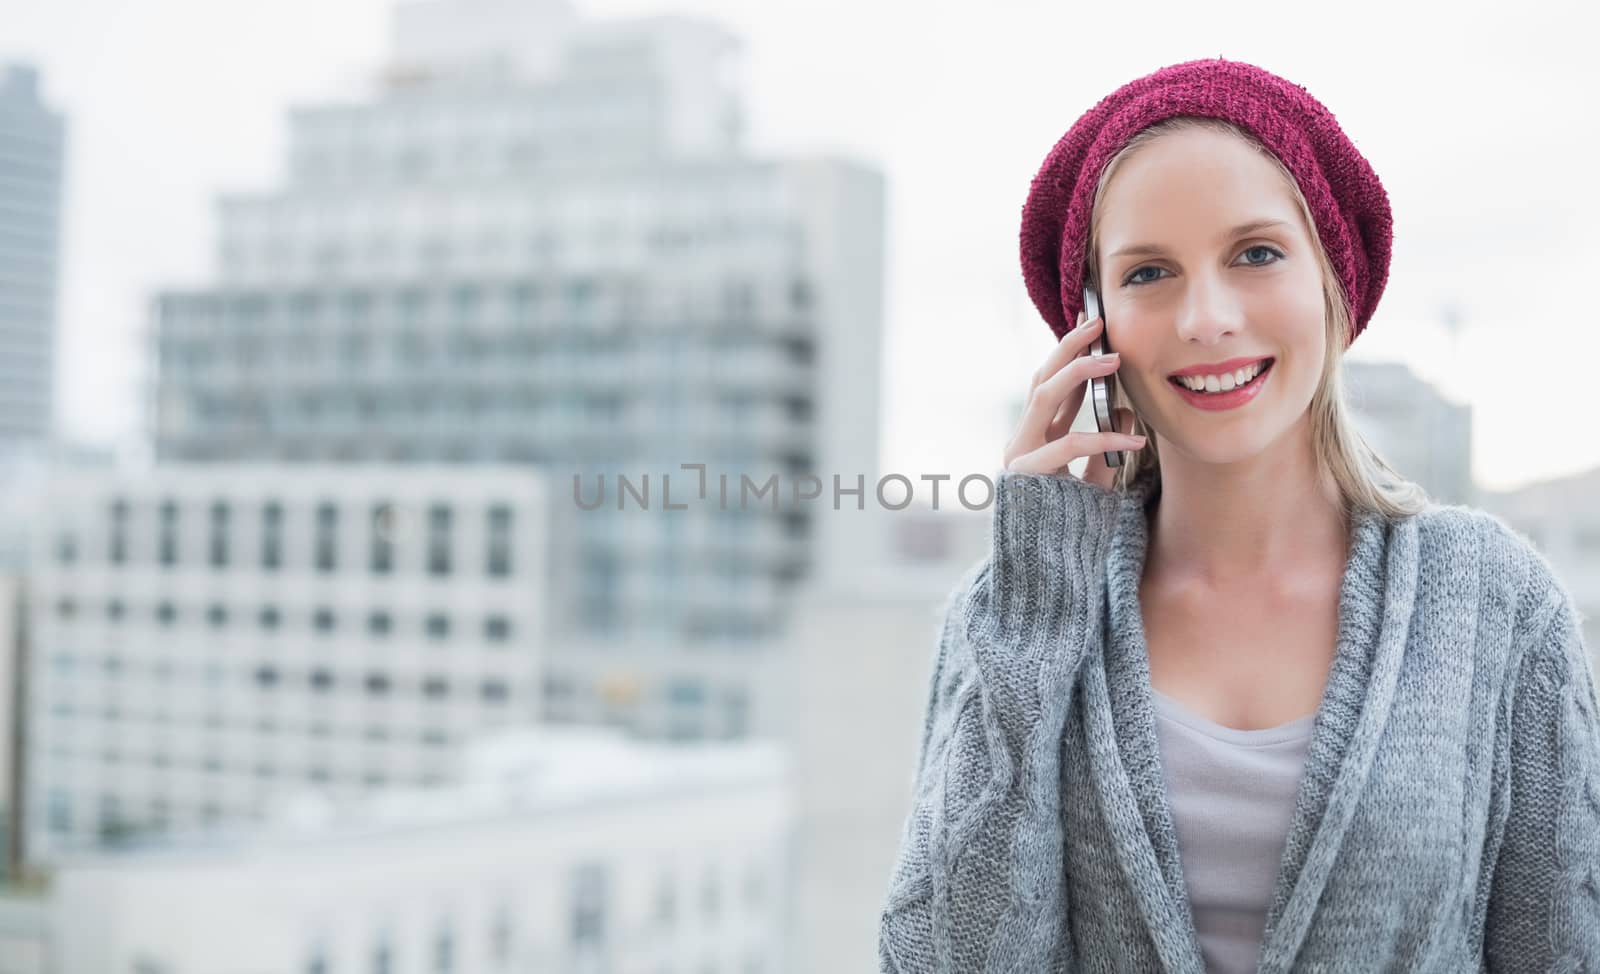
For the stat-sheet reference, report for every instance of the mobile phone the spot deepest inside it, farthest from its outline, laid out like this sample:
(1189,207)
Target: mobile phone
(1102,389)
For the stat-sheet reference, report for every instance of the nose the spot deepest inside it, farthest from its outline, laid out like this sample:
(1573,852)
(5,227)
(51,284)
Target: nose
(1210,311)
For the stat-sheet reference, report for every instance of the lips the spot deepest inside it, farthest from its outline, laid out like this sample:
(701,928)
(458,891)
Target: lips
(1233,398)
(1217,368)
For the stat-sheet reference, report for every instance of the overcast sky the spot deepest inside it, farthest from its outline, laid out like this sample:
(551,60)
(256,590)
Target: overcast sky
(1481,119)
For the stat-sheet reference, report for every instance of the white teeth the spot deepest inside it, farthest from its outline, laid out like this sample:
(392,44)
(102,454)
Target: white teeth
(1223,382)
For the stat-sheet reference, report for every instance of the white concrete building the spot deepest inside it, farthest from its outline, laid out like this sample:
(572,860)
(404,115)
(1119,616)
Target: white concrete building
(1419,432)
(205,638)
(567,851)
(1562,519)
(32,158)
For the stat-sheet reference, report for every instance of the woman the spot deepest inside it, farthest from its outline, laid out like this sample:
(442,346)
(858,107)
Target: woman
(1248,701)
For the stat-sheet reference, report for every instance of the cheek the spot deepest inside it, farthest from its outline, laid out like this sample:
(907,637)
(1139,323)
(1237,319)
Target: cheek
(1302,321)
(1137,341)
(1297,307)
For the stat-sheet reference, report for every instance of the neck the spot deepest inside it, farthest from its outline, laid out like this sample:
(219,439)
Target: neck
(1250,520)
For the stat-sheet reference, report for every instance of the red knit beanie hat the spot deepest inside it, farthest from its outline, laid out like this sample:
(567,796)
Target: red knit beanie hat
(1347,202)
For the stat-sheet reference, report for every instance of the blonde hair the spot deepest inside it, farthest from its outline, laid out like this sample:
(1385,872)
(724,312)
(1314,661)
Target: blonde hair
(1364,480)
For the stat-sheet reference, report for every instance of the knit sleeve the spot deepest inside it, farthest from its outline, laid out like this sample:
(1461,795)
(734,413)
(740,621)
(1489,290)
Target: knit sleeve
(1544,903)
(983,832)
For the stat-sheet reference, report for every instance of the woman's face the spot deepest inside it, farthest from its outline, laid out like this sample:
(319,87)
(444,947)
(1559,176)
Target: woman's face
(1205,262)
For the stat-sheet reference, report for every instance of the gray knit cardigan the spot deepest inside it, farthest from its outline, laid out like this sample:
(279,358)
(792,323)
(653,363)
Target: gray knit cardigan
(1448,817)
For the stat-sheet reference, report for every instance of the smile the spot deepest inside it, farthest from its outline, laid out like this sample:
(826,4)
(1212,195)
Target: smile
(1225,389)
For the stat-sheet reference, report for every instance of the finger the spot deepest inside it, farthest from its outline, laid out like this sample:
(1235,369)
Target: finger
(1061,394)
(1097,471)
(1068,347)
(1061,423)
(1055,455)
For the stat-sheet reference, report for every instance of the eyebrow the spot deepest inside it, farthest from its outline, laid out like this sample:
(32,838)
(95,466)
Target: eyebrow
(1242,230)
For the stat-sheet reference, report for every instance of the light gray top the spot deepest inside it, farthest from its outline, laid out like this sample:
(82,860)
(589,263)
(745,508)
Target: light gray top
(1232,797)
(1448,814)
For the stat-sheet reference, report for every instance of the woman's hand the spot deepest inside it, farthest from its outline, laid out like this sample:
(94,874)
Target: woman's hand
(1042,443)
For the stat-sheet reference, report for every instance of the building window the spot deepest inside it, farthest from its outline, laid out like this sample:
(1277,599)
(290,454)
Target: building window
(167,541)
(589,905)
(323,620)
(327,537)
(666,900)
(217,615)
(321,680)
(377,684)
(436,687)
(66,608)
(439,540)
(219,534)
(384,522)
(379,623)
(494,691)
(166,613)
(115,610)
(497,629)
(444,952)
(438,626)
(685,693)
(499,546)
(59,811)
(269,617)
(800,294)
(272,536)
(66,548)
(383,957)
(117,550)
(710,892)
(755,886)
(500,937)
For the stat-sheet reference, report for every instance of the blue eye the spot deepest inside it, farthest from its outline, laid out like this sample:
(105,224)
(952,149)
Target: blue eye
(1276,256)
(1133,277)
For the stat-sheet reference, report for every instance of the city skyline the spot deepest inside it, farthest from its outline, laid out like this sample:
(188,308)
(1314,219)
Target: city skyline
(140,191)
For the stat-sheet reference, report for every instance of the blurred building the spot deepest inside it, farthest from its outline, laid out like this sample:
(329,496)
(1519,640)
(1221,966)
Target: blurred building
(857,671)
(25,478)
(1416,430)
(32,148)
(25,932)
(14,676)
(541,242)
(1562,519)
(559,850)
(203,639)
